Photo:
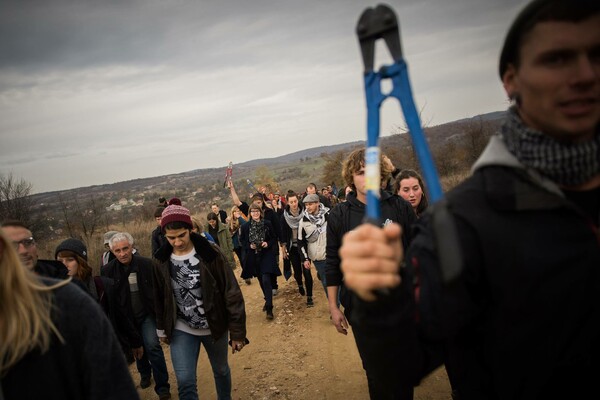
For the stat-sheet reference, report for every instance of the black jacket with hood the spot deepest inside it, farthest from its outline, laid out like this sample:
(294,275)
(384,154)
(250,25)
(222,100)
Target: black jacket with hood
(523,317)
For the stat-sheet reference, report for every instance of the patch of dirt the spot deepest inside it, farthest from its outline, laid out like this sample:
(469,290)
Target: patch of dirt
(297,355)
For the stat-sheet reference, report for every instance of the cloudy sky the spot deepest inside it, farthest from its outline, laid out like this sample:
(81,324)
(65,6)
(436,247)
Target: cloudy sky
(106,91)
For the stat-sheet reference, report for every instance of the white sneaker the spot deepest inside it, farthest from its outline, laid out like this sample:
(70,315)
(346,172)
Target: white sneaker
(274,292)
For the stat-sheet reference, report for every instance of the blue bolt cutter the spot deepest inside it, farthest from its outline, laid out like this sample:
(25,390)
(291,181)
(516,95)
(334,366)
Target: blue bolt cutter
(381,23)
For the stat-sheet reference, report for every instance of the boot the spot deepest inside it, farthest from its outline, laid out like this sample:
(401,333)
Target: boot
(270,312)
(309,301)
(301,290)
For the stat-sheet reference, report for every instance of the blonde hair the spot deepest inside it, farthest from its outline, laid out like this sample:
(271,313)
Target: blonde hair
(25,309)
(197,225)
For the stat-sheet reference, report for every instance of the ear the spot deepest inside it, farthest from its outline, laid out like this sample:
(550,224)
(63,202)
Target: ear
(510,82)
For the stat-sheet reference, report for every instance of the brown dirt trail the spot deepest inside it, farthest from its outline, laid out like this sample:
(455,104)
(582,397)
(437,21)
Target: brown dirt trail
(298,355)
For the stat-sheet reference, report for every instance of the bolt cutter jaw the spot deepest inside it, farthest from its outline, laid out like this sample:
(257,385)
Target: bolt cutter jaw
(378,23)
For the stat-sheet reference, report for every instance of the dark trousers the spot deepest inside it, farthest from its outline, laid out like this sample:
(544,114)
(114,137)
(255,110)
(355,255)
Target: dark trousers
(299,270)
(381,390)
(267,288)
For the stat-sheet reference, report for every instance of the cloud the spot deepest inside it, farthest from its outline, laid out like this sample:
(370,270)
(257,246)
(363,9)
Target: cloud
(99,92)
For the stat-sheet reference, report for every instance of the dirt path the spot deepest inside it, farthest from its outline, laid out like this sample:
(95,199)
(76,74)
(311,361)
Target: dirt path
(298,355)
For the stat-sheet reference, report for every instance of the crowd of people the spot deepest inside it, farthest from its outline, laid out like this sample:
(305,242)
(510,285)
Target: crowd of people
(520,319)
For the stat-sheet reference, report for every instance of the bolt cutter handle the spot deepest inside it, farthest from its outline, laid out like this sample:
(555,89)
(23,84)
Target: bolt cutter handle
(381,23)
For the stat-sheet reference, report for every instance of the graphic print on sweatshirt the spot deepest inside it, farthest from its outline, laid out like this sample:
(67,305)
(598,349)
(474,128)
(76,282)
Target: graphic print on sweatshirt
(185,278)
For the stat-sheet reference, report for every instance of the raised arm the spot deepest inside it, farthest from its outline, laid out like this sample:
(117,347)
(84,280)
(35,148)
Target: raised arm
(234,195)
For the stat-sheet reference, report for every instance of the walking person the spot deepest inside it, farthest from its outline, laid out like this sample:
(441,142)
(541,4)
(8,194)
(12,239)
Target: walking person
(222,237)
(26,246)
(73,254)
(523,309)
(198,302)
(343,218)
(259,199)
(259,240)
(290,222)
(133,279)
(409,185)
(312,238)
(236,220)
(55,341)
(158,239)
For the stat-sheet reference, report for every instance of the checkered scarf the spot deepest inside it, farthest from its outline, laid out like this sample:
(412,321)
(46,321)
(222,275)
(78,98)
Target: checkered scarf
(567,164)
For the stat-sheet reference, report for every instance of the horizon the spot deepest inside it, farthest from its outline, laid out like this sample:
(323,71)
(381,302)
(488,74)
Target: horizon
(95,94)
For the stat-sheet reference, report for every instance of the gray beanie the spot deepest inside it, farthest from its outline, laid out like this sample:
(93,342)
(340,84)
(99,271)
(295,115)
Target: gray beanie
(74,245)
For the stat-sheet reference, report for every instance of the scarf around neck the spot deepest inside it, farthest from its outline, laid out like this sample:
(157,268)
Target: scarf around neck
(567,164)
(292,221)
(319,218)
(256,233)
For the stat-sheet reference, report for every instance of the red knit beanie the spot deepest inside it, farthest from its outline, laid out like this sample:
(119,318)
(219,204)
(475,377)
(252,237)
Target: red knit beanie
(175,213)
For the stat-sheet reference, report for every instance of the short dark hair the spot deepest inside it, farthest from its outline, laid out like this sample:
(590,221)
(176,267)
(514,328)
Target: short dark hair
(158,211)
(177,225)
(213,216)
(541,11)
(13,223)
(291,193)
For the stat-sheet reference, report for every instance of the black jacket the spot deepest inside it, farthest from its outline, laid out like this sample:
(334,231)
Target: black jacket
(158,239)
(128,329)
(286,231)
(51,269)
(349,214)
(523,318)
(88,365)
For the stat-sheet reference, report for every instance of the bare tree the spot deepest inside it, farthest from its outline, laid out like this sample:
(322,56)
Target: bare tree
(83,218)
(264,176)
(476,136)
(332,170)
(15,202)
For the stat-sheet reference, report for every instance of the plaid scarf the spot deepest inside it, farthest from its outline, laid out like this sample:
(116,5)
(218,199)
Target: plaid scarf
(567,164)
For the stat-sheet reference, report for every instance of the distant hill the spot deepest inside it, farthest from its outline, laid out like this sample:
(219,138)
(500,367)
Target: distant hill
(137,198)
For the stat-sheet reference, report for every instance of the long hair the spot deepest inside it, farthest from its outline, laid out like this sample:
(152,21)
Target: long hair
(84,272)
(234,222)
(409,173)
(25,309)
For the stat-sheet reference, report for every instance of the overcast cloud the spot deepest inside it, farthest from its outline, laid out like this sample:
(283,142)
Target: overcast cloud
(101,92)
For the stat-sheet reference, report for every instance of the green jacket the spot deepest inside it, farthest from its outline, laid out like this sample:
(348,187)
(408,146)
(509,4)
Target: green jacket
(225,242)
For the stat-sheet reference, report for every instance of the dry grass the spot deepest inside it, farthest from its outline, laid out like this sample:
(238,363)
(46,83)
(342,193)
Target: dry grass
(141,232)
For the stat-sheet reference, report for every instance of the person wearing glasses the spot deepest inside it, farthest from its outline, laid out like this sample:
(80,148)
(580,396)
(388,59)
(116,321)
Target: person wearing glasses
(23,241)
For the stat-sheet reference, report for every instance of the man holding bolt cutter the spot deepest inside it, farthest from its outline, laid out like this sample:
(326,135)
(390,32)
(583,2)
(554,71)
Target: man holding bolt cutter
(522,311)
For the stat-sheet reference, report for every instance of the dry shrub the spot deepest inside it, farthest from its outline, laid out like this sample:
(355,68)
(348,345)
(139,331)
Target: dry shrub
(450,181)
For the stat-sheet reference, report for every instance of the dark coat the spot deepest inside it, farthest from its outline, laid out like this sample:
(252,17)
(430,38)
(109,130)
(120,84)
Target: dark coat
(158,239)
(348,215)
(263,261)
(88,365)
(51,269)
(127,327)
(223,300)
(523,316)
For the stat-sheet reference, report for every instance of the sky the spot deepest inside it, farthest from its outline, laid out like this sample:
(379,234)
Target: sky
(96,92)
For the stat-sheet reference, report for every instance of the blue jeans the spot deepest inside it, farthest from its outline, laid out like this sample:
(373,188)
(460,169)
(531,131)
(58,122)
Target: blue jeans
(153,361)
(320,266)
(185,349)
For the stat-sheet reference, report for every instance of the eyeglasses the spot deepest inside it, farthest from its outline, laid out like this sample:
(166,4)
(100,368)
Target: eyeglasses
(27,243)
